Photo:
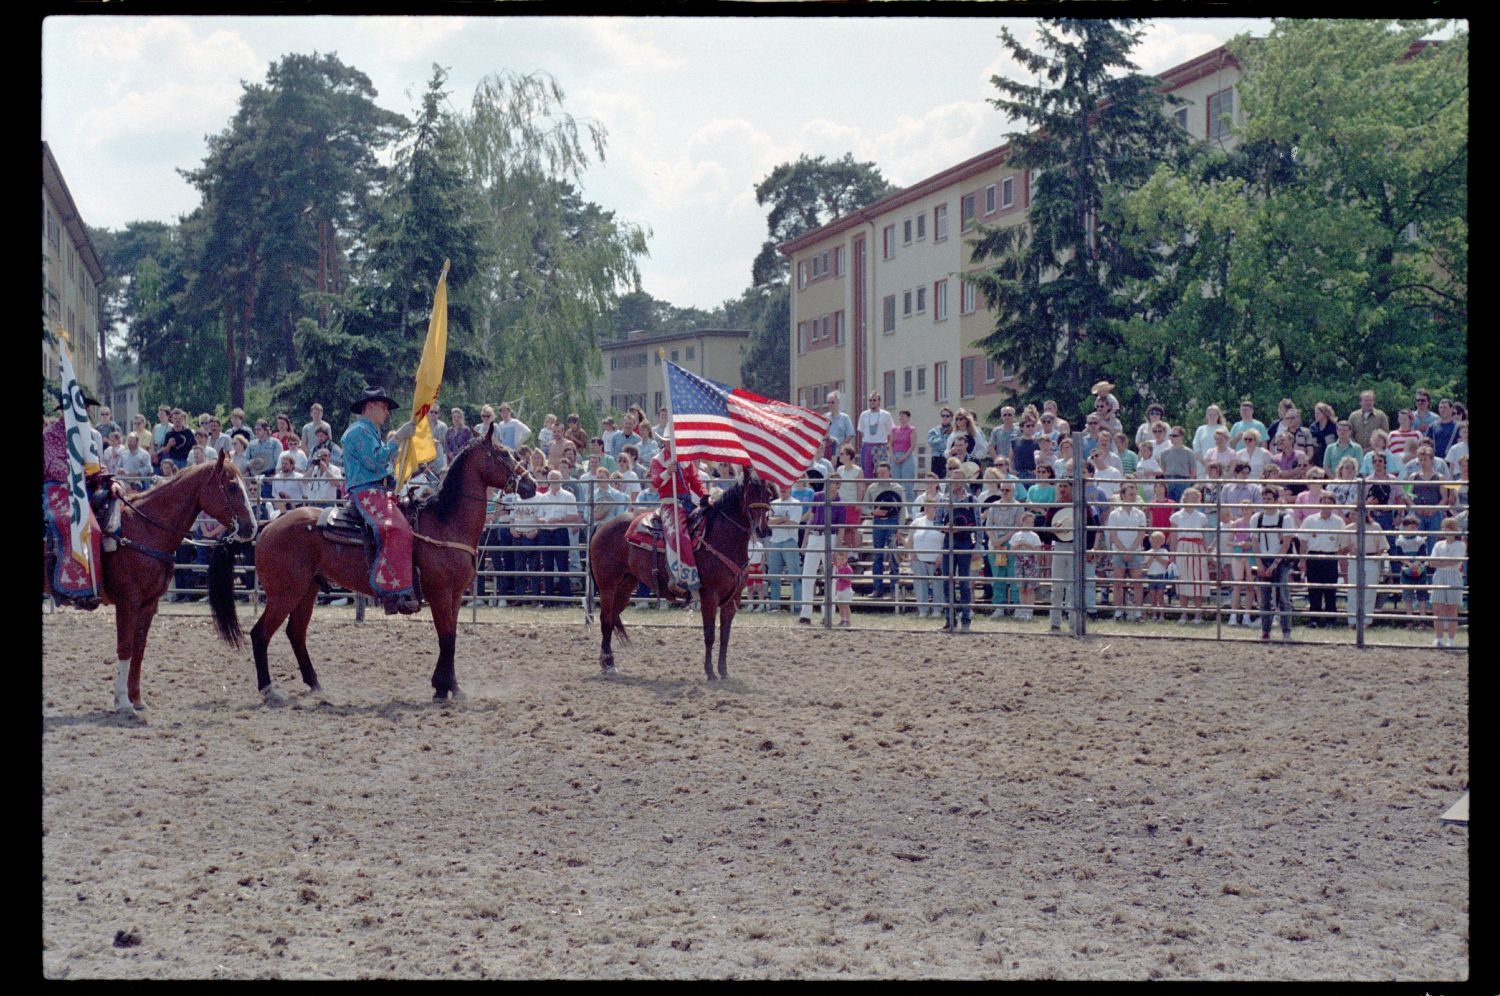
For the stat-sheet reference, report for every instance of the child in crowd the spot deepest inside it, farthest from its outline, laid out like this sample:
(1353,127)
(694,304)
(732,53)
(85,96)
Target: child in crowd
(1159,574)
(1411,554)
(1025,548)
(755,577)
(843,586)
(1241,570)
(1448,556)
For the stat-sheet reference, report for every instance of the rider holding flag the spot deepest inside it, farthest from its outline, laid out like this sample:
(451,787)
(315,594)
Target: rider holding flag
(677,484)
(367,460)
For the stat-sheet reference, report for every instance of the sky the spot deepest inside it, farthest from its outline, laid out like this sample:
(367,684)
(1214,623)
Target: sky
(697,110)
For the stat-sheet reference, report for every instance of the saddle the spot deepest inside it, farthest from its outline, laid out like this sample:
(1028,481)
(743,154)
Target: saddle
(647,532)
(341,523)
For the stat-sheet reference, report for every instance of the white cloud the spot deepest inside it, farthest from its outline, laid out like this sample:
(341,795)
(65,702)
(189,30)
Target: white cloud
(404,39)
(629,44)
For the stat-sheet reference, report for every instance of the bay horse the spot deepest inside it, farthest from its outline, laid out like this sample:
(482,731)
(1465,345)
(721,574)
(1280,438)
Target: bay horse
(293,554)
(721,553)
(139,570)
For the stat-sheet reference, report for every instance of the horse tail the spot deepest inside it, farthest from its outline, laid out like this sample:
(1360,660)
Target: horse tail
(221,597)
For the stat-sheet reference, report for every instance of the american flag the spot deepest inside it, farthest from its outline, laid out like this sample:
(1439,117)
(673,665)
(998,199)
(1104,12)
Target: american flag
(713,421)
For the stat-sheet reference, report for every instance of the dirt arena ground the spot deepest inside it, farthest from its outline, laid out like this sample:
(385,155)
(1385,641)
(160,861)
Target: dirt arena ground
(868,804)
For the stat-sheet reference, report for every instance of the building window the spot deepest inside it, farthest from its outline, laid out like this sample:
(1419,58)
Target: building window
(1180,118)
(940,382)
(817,264)
(657,359)
(940,301)
(827,326)
(989,370)
(967,368)
(966,213)
(1007,191)
(838,261)
(889,324)
(888,242)
(801,274)
(801,338)
(906,232)
(838,328)
(826,254)
(989,199)
(967,298)
(1220,113)
(940,223)
(921,226)
(889,381)
(906,304)
(921,300)
(906,381)
(692,352)
(921,380)
(674,356)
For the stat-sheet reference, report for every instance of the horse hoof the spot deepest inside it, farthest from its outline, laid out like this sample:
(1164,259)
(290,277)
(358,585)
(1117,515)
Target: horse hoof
(272,696)
(608,669)
(710,676)
(126,711)
(139,704)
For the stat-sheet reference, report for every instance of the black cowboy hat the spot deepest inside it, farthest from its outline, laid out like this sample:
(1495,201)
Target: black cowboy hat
(372,394)
(87,400)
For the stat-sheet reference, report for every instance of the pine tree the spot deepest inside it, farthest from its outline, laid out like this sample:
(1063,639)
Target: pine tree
(1093,129)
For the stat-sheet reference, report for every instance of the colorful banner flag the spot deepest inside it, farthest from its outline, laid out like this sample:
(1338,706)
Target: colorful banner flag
(83,455)
(421,447)
(713,421)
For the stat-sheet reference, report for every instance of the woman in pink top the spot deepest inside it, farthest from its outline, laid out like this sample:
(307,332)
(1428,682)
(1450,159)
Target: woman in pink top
(1307,501)
(904,453)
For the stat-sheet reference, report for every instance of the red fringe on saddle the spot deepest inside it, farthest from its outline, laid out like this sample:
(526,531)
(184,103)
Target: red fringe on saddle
(638,533)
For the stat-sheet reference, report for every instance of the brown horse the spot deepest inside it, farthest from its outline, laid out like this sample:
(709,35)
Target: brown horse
(138,572)
(722,554)
(293,554)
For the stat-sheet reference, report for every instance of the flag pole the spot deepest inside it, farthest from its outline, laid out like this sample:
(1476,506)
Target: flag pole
(661,354)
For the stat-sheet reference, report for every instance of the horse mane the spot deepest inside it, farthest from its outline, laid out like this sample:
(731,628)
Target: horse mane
(445,501)
(165,484)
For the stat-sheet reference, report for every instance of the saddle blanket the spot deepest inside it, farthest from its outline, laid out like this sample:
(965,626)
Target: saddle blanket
(640,532)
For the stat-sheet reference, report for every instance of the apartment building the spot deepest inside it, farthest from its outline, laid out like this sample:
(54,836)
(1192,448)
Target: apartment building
(71,282)
(633,372)
(877,303)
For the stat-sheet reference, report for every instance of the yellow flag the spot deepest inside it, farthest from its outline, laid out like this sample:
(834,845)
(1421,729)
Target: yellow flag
(421,447)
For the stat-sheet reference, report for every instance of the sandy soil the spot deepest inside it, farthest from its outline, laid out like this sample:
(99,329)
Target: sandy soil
(849,804)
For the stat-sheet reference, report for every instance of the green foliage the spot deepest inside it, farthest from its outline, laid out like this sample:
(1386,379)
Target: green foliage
(1328,251)
(557,263)
(767,312)
(805,194)
(1094,129)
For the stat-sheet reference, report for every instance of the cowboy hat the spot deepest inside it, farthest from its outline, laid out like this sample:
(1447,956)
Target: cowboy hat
(87,399)
(372,394)
(1062,525)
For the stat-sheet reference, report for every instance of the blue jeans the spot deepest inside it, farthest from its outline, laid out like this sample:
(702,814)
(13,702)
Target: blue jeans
(884,565)
(905,471)
(924,585)
(783,558)
(958,590)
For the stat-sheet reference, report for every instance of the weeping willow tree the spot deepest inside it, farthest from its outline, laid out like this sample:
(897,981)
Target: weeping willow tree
(556,264)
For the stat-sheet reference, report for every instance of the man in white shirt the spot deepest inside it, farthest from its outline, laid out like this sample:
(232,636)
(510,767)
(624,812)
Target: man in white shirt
(1107,477)
(875,425)
(135,462)
(321,483)
(309,431)
(1125,528)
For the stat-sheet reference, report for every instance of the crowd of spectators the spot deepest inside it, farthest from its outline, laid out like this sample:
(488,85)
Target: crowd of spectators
(1174,510)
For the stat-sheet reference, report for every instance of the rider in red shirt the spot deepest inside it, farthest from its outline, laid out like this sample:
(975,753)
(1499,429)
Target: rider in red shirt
(677,484)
